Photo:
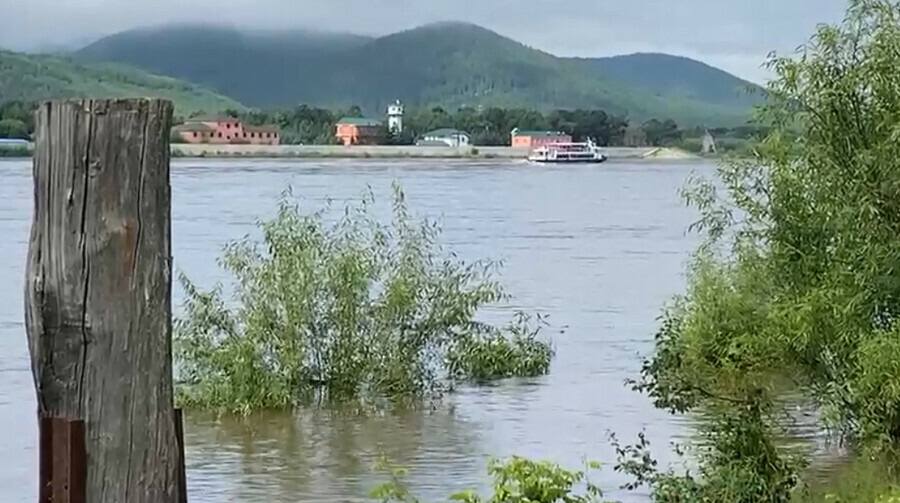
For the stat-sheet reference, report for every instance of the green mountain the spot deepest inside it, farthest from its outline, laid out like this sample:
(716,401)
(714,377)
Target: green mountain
(667,75)
(28,77)
(256,68)
(447,64)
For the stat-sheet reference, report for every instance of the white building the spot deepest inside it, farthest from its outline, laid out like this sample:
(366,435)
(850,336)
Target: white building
(444,137)
(395,117)
(709,144)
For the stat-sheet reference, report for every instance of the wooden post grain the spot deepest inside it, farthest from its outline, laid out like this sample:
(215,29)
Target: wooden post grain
(98,291)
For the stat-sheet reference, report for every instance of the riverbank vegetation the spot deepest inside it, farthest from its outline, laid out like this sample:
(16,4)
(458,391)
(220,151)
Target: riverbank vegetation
(14,151)
(492,127)
(488,127)
(349,311)
(796,276)
(16,120)
(517,480)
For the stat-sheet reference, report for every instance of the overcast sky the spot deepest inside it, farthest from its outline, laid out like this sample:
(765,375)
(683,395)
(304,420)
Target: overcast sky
(734,35)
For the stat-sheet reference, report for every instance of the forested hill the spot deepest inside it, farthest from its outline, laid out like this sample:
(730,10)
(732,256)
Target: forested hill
(448,64)
(677,76)
(27,78)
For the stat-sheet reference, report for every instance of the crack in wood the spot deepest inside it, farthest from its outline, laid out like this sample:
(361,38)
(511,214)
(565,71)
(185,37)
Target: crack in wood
(85,263)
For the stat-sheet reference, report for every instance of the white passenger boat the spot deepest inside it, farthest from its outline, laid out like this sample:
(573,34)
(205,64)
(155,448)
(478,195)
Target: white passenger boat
(586,152)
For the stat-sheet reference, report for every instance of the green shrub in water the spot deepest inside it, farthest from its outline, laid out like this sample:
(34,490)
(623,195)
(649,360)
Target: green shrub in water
(345,311)
(517,351)
(737,464)
(859,479)
(517,480)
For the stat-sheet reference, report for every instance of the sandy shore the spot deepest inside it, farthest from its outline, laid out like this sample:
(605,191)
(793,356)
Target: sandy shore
(665,153)
(392,152)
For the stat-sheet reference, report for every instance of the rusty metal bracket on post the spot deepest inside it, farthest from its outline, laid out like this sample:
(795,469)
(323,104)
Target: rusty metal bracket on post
(182,477)
(63,461)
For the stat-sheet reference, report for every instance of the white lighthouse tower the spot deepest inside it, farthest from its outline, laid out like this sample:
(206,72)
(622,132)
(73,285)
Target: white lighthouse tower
(395,117)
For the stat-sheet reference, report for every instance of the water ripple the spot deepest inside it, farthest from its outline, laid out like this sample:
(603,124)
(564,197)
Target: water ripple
(598,248)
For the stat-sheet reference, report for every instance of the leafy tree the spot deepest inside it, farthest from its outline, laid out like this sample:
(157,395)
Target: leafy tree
(353,111)
(14,129)
(794,286)
(492,126)
(661,133)
(16,119)
(393,137)
(594,124)
(301,124)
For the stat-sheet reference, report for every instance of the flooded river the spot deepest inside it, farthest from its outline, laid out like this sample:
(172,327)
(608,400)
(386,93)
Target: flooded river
(599,249)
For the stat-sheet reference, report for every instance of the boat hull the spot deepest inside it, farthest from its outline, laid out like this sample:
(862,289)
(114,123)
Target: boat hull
(597,160)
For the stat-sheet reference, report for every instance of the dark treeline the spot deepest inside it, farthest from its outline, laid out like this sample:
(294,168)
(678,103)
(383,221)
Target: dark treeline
(487,126)
(16,120)
(492,126)
(299,125)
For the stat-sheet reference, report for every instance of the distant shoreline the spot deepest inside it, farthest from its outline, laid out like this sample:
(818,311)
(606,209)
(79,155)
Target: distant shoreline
(200,151)
(398,152)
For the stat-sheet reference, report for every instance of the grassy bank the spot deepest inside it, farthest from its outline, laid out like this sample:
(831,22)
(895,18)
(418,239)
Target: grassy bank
(15,151)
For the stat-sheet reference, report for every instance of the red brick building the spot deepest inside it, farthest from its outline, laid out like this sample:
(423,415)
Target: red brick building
(534,139)
(358,131)
(225,130)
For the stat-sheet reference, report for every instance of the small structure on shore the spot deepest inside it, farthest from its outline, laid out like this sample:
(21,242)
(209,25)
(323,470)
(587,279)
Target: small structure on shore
(709,144)
(635,136)
(534,139)
(445,137)
(224,130)
(358,131)
(395,117)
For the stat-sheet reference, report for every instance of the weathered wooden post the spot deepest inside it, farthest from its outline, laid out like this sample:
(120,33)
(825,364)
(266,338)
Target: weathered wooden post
(98,292)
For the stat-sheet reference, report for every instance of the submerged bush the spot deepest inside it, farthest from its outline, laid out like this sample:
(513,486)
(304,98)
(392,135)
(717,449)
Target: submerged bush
(517,351)
(517,480)
(738,462)
(344,311)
